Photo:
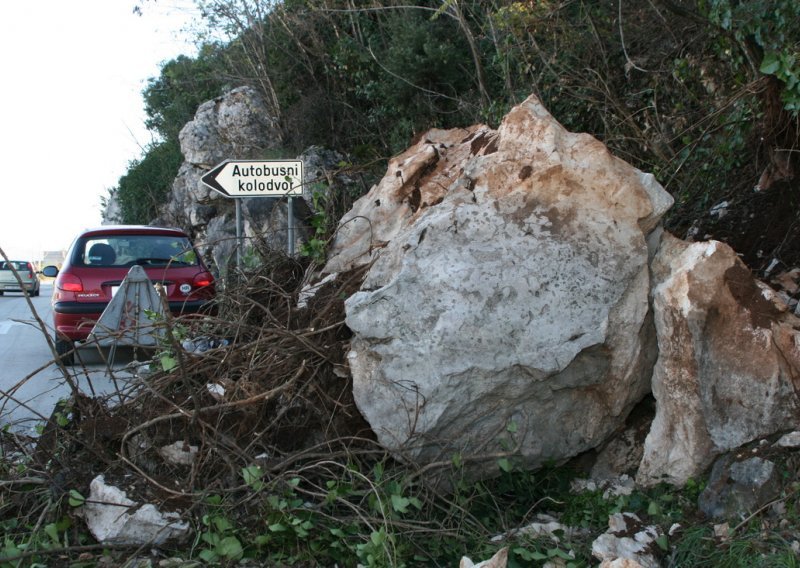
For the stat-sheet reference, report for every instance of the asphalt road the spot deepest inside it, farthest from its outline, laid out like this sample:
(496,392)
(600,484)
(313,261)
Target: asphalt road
(30,382)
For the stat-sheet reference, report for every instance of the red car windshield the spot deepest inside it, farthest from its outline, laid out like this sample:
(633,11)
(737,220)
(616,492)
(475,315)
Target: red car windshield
(128,250)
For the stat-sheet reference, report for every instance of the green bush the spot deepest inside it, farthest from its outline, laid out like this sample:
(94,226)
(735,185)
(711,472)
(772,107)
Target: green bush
(147,182)
(172,98)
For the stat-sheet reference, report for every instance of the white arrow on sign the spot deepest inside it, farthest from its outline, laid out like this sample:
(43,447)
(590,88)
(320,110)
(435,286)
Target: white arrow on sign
(253,178)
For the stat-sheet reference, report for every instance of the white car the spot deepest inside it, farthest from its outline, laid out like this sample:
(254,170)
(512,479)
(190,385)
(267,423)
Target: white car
(26,272)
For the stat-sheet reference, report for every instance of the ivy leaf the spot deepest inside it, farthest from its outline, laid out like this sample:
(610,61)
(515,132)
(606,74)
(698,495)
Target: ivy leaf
(208,556)
(210,538)
(222,524)
(663,542)
(557,552)
(378,537)
(168,362)
(400,503)
(230,547)
(770,64)
(302,528)
(252,476)
(75,498)
(527,555)
(51,530)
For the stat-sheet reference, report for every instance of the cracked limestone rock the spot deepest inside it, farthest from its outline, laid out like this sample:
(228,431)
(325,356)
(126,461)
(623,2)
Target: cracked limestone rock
(508,285)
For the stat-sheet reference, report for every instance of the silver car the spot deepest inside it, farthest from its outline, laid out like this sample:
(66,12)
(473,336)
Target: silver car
(28,275)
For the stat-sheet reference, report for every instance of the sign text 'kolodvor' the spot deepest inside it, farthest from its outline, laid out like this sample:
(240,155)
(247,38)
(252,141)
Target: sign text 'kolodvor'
(250,178)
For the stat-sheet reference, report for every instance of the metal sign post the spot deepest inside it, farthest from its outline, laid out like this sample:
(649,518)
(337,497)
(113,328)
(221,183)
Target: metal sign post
(258,178)
(239,231)
(290,227)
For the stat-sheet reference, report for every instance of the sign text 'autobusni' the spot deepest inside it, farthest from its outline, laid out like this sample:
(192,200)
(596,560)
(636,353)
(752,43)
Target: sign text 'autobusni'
(252,178)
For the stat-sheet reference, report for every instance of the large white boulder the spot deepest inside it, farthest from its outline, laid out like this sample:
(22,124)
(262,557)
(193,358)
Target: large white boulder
(508,286)
(728,364)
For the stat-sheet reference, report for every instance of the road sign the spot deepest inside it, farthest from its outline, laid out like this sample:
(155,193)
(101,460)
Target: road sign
(258,178)
(254,178)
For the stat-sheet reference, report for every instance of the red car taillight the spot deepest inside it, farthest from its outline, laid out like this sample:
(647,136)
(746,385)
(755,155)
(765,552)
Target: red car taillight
(202,280)
(70,283)
(30,271)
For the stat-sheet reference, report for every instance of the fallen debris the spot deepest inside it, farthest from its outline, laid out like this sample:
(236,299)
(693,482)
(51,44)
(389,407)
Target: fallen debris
(627,540)
(179,453)
(499,560)
(113,518)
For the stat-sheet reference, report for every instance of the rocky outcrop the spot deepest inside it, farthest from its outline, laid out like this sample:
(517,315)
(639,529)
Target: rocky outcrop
(112,212)
(508,288)
(238,126)
(728,364)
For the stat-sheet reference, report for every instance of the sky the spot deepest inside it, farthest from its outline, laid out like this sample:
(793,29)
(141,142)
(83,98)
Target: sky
(72,110)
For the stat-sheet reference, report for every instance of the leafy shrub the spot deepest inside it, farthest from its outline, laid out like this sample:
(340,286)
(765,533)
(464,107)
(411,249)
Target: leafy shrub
(147,182)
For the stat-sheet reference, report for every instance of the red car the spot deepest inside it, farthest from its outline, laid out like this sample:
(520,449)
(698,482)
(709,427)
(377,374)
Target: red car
(98,261)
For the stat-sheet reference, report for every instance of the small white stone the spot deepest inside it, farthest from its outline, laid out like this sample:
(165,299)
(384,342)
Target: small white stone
(790,440)
(216,390)
(113,518)
(179,453)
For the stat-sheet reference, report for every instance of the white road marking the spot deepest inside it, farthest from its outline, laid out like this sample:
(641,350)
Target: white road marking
(5,325)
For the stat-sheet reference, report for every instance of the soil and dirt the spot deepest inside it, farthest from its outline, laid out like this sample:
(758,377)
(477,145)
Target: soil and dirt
(762,226)
(275,396)
(758,212)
